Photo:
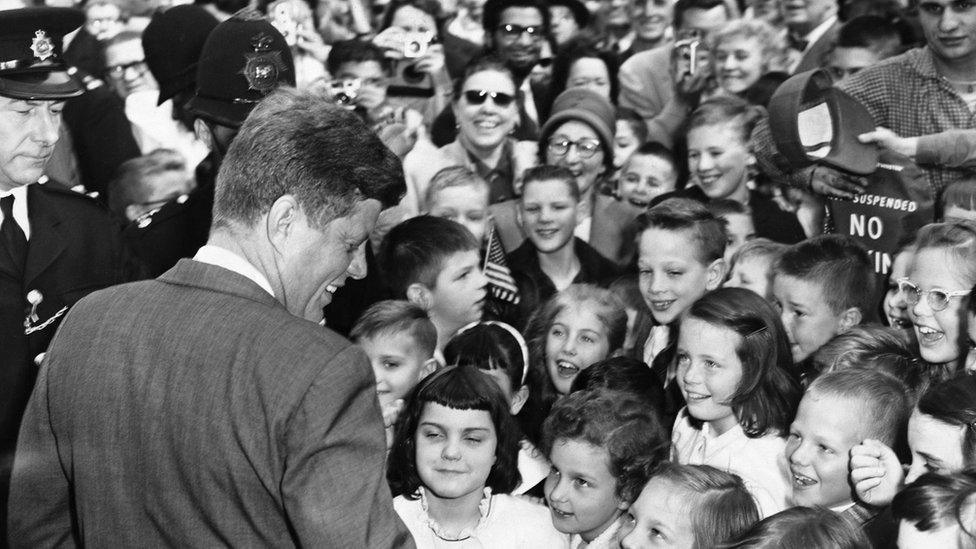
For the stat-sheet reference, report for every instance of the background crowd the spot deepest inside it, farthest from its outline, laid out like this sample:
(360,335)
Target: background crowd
(603,304)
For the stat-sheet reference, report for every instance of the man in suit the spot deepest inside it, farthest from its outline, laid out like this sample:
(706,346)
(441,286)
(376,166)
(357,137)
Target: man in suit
(56,245)
(813,27)
(208,407)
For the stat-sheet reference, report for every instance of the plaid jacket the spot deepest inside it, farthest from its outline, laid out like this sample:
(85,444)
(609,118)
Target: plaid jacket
(904,94)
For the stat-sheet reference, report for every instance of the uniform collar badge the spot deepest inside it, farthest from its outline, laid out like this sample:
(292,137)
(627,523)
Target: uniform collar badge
(42,46)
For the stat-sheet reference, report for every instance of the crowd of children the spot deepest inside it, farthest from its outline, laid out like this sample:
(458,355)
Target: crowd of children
(752,400)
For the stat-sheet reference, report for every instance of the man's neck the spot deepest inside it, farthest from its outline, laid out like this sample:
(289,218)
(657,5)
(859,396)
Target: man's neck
(238,241)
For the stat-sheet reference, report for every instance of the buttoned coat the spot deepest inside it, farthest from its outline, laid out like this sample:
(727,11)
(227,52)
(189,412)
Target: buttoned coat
(75,248)
(195,411)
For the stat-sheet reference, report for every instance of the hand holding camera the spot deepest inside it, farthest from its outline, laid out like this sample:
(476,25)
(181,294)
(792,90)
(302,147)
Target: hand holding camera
(691,66)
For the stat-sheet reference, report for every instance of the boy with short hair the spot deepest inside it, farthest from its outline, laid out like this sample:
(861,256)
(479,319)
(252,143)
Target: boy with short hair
(958,201)
(680,250)
(840,410)
(399,339)
(824,286)
(552,257)
(436,264)
(650,171)
(752,266)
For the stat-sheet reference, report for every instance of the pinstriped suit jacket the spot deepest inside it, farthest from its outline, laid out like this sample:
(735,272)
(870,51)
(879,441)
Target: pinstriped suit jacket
(195,411)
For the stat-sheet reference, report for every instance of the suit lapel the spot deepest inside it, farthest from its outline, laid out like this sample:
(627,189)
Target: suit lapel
(46,240)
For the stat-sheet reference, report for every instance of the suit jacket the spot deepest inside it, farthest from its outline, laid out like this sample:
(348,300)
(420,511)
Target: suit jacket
(226,422)
(75,247)
(813,57)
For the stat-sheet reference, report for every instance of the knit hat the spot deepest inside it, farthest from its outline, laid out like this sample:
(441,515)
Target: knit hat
(172,43)
(586,106)
(243,60)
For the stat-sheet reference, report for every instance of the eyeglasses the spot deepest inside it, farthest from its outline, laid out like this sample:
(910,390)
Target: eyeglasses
(937,298)
(515,31)
(119,70)
(584,147)
(477,97)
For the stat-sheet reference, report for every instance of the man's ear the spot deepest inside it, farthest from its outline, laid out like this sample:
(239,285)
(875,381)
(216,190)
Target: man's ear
(428,368)
(202,131)
(418,294)
(850,318)
(715,274)
(281,219)
(581,211)
(519,399)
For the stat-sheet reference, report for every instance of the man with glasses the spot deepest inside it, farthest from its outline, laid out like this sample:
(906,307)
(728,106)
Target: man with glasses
(153,124)
(244,59)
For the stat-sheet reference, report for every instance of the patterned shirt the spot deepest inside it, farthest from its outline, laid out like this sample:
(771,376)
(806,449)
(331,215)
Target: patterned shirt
(904,94)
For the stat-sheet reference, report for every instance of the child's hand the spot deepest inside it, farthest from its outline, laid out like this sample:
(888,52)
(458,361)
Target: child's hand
(391,412)
(876,473)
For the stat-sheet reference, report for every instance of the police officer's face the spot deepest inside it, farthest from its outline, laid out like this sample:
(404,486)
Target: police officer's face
(28,132)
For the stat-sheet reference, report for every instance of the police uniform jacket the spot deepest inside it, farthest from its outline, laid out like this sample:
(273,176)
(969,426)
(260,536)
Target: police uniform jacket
(75,247)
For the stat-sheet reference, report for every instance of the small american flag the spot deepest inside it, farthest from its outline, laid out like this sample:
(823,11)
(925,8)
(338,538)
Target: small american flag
(502,285)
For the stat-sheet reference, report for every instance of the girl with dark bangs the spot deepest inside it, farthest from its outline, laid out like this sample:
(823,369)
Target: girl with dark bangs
(454,462)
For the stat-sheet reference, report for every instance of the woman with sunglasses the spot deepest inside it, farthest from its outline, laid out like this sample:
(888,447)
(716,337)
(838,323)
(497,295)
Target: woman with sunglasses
(937,288)
(486,113)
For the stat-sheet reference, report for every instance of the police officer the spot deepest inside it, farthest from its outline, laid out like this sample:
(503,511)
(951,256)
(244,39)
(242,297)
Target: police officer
(56,245)
(244,59)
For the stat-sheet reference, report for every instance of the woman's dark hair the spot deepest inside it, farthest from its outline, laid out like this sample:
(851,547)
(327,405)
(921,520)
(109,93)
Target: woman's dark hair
(802,528)
(768,393)
(953,402)
(617,422)
(460,388)
(936,501)
(489,346)
(487,62)
(719,504)
(573,51)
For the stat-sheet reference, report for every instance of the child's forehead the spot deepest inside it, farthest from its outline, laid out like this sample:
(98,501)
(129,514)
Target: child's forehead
(836,416)
(460,259)
(580,455)
(642,162)
(389,339)
(672,244)
(467,196)
(800,290)
(540,188)
(583,315)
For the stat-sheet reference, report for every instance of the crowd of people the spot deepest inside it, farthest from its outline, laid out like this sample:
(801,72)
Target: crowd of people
(504,274)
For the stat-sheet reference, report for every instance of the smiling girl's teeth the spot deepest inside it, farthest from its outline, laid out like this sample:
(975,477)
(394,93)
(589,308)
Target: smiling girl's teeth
(566,369)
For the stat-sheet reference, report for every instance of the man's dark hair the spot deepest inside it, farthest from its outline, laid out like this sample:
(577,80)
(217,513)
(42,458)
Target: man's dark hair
(682,6)
(873,33)
(354,51)
(295,143)
(492,12)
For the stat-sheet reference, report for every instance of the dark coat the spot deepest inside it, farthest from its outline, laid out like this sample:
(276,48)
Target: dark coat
(535,287)
(75,247)
(226,422)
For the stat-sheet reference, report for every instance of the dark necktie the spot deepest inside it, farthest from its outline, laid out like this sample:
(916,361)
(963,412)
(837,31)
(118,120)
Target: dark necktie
(13,236)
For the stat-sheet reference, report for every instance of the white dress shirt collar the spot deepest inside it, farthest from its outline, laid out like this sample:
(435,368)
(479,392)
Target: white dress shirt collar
(819,31)
(221,257)
(20,208)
